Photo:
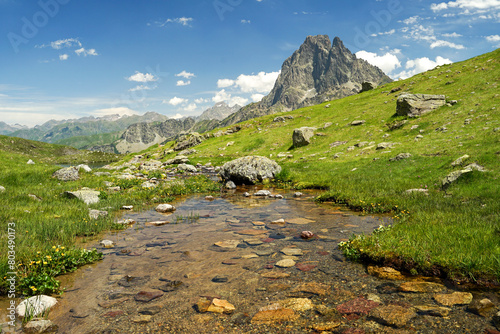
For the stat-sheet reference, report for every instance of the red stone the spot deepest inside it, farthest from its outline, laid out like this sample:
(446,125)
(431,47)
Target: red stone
(268,240)
(114,314)
(323,253)
(147,296)
(354,331)
(359,305)
(305,267)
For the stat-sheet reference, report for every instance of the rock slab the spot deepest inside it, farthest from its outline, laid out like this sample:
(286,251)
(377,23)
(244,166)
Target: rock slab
(414,105)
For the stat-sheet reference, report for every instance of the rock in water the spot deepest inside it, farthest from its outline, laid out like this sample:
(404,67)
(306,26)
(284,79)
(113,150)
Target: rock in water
(414,105)
(66,174)
(164,208)
(249,170)
(40,326)
(36,305)
(302,137)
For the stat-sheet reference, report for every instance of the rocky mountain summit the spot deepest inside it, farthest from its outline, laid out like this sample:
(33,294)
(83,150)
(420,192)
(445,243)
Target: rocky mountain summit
(318,71)
(219,111)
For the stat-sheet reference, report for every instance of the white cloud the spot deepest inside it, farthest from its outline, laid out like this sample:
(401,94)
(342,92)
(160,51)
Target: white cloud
(86,52)
(419,65)
(223,83)
(140,87)
(183,83)
(259,83)
(190,107)
(411,20)
(175,101)
(177,116)
(257,97)
(246,21)
(201,100)
(467,4)
(142,77)
(184,21)
(229,99)
(493,38)
(185,75)
(387,63)
(454,34)
(63,57)
(62,43)
(117,110)
(441,43)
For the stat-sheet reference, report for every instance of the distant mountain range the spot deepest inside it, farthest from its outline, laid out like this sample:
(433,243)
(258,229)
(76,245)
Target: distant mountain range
(218,112)
(5,128)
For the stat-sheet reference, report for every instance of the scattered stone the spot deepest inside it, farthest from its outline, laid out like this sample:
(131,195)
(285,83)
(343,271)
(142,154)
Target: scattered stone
(298,194)
(220,306)
(247,194)
(66,174)
(30,162)
(305,267)
(249,170)
(421,287)
(180,159)
(496,320)
(359,306)
(148,295)
(383,146)
(484,307)
(88,196)
(302,137)
(306,235)
(278,221)
(187,168)
(170,286)
(230,185)
(393,315)
(263,193)
(37,305)
(358,122)
(401,156)
(107,244)
(165,208)
(385,273)
(327,326)
(387,288)
(209,198)
(292,251)
(286,263)
(126,222)
(34,197)
(253,242)
(202,305)
(312,288)
(157,223)
(113,314)
(220,279)
(229,244)
(114,302)
(270,317)
(455,298)
(417,191)
(454,176)
(297,304)
(96,214)
(282,118)
(414,105)
(151,310)
(142,319)
(40,326)
(436,311)
(148,185)
(127,207)
(460,160)
(193,140)
(251,232)
(85,168)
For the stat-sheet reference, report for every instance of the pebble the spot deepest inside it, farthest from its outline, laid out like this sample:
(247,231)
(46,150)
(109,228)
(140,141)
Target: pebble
(421,287)
(148,295)
(107,244)
(286,263)
(436,311)
(292,251)
(393,315)
(482,307)
(385,273)
(230,244)
(455,298)
(220,279)
(142,319)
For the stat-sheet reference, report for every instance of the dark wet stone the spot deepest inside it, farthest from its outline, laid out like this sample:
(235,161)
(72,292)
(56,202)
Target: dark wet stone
(277,236)
(147,296)
(171,286)
(242,245)
(230,263)
(151,310)
(387,288)
(123,252)
(220,279)
(130,281)
(358,306)
(156,244)
(240,319)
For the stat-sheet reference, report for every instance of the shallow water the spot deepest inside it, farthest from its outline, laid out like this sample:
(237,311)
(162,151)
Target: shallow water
(181,259)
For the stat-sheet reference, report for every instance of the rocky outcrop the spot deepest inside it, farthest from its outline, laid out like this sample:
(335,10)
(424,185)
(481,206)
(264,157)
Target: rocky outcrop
(318,71)
(414,105)
(218,112)
(66,174)
(302,137)
(250,170)
(189,141)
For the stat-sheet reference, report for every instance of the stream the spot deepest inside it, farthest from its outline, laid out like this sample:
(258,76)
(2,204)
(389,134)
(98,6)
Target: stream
(160,279)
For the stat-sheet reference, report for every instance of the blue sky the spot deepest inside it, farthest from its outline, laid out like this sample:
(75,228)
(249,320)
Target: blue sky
(64,59)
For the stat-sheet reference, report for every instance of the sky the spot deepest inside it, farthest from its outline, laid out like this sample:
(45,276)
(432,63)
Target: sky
(66,59)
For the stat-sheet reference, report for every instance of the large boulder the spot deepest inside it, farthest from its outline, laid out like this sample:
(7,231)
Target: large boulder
(86,195)
(66,174)
(302,137)
(193,140)
(414,105)
(249,170)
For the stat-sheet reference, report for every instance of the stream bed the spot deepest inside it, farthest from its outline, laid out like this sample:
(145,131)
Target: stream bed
(227,253)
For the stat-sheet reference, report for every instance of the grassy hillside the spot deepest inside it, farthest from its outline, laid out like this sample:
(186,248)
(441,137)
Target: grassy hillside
(454,232)
(86,142)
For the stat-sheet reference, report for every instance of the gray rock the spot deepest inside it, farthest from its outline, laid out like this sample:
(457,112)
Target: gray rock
(367,86)
(40,326)
(358,122)
(483,307)
(327,125)
(107,244)
(298,194)
(247,194)
(454,176)
(180,159)
(249,170)
(230,185)
(414,105)
(188,152)
(476,167)
(66,174)
(282,118)
(34,197)
(193,140)
(86,168)
(187,168)
(302,137)
(2,189)
(401,156)
(86,195)
(263,193)
(383,146)
(149,185)
(165,208)
(96,214)
(30,162)
(460,160)
(417,191)
(37,305)
(102,174)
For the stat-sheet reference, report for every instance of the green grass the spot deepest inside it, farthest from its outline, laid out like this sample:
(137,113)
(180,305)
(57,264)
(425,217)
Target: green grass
(454,233)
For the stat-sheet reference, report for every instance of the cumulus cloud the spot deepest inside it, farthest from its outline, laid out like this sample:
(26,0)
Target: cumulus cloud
(387,63)
(142,77)
(176,116)
(246,21)
(175,101)
(454,34)
(185,75)
(116,110)
(63,57)
(257,97)
(419,65)
(223,83)
(190,107)
(466,4)
(493,38)
(183,83)
(229,99)
(85,52)
(441,43)
(184,21)
(261,83)
(140,87)
(62,43)
(411,20)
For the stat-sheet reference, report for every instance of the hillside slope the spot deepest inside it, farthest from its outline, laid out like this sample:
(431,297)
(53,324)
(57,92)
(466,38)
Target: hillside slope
(452,231)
